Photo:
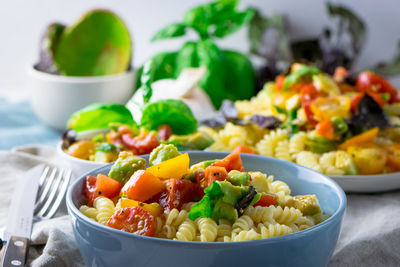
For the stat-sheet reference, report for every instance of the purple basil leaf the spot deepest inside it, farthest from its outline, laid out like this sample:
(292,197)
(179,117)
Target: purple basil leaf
(216,122)
(68,138)
(268,122)
(369,114)
(229,110)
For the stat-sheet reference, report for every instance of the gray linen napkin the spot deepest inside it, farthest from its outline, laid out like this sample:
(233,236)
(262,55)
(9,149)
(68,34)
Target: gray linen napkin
(52,241)
(370,234)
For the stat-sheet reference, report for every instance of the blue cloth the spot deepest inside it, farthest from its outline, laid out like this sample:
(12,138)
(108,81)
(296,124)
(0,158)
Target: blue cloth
(20,126)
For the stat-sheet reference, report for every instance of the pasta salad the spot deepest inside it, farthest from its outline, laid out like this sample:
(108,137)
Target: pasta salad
(211,201)
(340,125)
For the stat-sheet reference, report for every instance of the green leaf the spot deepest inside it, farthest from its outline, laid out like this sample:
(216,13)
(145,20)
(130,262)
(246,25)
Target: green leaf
(98,116)
(145,80)
(97,44)
(232,24)
(350,22)
(171,31)
(217,19)
(106,147)
(174,113)
(276,46)
(390,68)
(302,73)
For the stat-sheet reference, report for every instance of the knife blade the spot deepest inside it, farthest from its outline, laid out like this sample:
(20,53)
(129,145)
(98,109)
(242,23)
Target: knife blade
(20,216)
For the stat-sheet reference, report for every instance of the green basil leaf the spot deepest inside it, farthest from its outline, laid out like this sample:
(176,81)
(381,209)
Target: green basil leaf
(99,115)
(171,31)
(174,113)
(145,80)
(230,25)
(391,68)
(203,17)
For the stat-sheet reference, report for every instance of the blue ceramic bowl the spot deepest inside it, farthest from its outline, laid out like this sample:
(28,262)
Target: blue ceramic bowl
(105,246)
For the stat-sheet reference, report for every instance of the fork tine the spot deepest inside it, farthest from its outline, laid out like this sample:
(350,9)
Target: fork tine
(60,195)
(54,189)
(45,189)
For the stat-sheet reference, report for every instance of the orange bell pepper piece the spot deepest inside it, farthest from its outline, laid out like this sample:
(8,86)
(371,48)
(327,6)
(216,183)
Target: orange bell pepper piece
(325,129)
(364,138)
(142,186)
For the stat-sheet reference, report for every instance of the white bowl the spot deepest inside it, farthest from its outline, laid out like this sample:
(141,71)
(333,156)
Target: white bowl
(81,166)
(55,97)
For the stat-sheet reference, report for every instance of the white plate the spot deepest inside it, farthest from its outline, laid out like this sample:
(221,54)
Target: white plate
(369,183)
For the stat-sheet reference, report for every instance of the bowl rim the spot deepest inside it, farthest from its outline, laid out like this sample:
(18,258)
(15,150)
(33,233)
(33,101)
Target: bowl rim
(335,216)
(63,154)
(32,71)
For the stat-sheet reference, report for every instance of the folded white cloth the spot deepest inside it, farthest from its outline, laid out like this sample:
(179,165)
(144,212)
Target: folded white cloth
(370,234)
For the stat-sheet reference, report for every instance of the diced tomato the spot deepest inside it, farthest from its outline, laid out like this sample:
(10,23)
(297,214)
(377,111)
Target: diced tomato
(340,74)
(164,132)
(325,129)
(215,173)
(201,183)
(90,187)
(101,186)
(141,144)
(279,81)
(356,99)
(124,129)
(308,93)
(245,149)
(142,186)
(177,193)
(267,200)
(133,220)
(230,162)
(369,82)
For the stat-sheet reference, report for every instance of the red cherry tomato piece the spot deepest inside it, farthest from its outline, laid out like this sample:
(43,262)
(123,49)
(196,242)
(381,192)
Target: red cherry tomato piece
(230,162)
(141,144)
(267,200)
(308,93)
(369,82)
(164,132)
(90,187)
(177,193)
(245,149)
(133,220)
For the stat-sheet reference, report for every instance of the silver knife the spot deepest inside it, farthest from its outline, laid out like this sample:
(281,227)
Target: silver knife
(20,215)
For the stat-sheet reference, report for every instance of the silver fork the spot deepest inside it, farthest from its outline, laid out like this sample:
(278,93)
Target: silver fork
(52,186)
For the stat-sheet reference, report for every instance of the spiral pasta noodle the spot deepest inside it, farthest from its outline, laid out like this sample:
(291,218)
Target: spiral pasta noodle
(224,228)
(243,223)
(208,229)
(261,214)
(88,211)
(274,230)
(309,160)
(105,208)
(175,217)
(245,235)
(282,150)
(266,147)
(186,231)
(286,215)
(297,143)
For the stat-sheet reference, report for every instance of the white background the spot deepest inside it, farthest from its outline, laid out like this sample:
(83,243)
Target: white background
(22,23)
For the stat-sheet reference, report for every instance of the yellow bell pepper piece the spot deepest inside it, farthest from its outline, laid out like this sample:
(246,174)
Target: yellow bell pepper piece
(172,168)
(154,210)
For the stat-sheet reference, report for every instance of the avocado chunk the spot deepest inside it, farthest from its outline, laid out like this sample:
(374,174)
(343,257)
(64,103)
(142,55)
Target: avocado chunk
(200,140)
(105,157)
(231,193)
(238,177)
(223,210)
(202,165)
(125,166)
(162,153)
(307,204)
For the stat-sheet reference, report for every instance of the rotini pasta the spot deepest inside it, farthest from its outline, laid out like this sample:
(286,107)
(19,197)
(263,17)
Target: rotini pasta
(105,208)
(88,211)
(208,229)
